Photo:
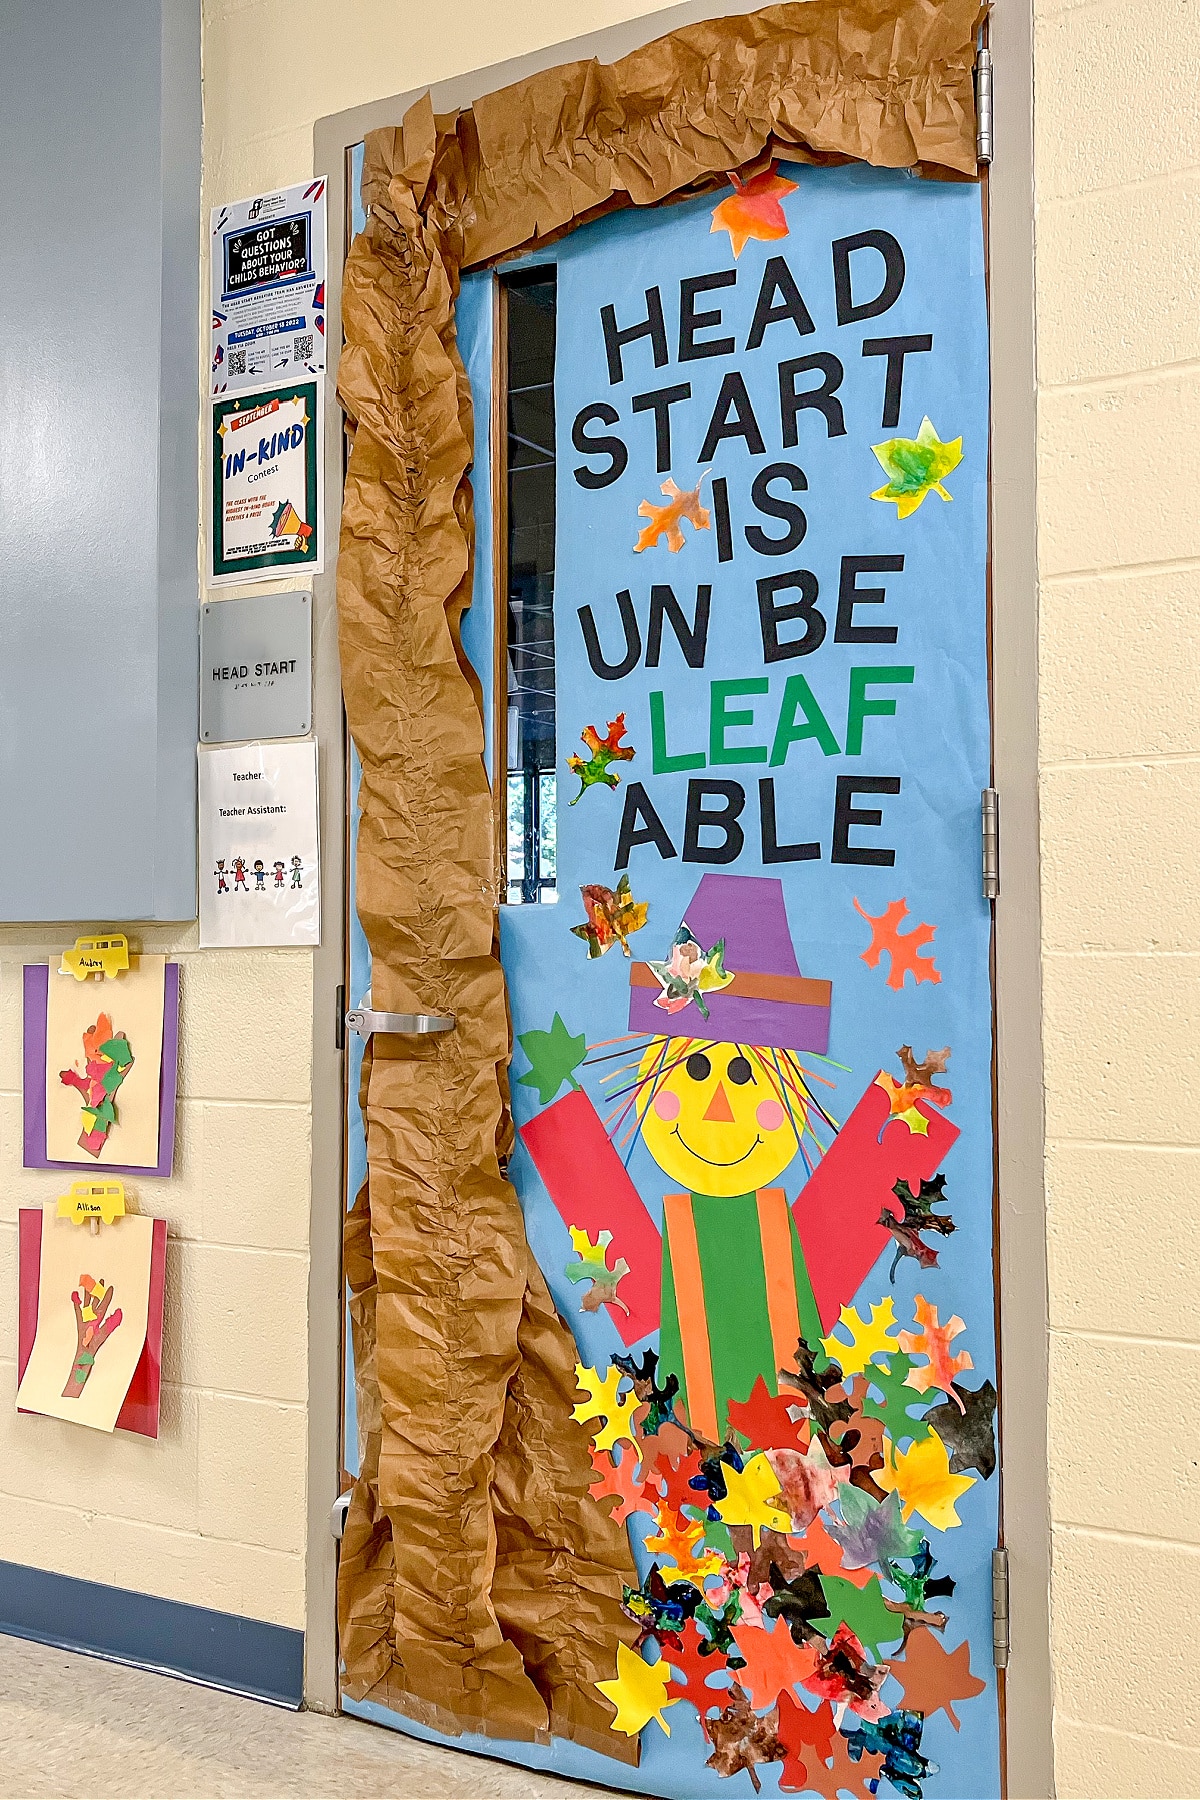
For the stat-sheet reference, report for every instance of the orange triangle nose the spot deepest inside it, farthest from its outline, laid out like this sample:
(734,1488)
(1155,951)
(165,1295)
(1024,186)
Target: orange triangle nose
(719,1110)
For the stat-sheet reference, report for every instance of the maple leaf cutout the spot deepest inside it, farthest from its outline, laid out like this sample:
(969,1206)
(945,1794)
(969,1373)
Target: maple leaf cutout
(753,210)
(915,467)
(933,1678)
(902,947)
(602,1402)
(638,1691)
(923,1479)
(623,1481)
(740,1738)
(666,521)
(933,1341)
(611,917)
(604,752)
(773,1662)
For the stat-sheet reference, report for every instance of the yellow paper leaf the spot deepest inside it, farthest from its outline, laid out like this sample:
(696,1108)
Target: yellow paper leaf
(639,1692)
(603,1402)
(921,1476)
(867,1337)
(753,1498)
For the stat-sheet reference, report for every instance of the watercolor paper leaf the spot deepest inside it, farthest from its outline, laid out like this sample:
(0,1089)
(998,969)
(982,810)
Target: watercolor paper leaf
(807,1482)
(843,1676)
(740,1739)
(611,917)
(922,1478)
(604,752)
(934,1678)
(623,1480)
(638,1691)
(554,1056)
(917,1216)
(891,1381)
(753,210)
(676,1540)
(752,1498)
(916,467)
(592,1265)
(871,1531)
(797,1603)
(689,973)
(901,947)
(917,1085)
(820,1388)
(967,1430)
(601,1401)
(822,1554)
(892,1747)
(763,1419)
(667,521)
(659,1401)
(868,1337)
(933,1341)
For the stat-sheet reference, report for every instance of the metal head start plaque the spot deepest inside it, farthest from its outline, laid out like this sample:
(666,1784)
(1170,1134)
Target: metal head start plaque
(256,668)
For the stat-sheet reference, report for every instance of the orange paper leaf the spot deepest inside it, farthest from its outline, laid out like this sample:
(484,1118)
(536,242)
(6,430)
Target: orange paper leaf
(902,947)
(753,210)
(666,521)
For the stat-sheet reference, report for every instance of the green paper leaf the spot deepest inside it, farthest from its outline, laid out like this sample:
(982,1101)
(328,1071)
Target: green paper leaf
(554,1056)
(863,1610)
(890,1379)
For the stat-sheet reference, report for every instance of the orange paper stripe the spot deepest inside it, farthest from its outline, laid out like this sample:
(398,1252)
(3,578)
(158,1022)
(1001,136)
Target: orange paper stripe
(775,1230)
(693,1317)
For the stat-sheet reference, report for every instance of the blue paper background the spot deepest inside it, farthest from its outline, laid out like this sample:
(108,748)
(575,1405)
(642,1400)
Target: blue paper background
(938,743)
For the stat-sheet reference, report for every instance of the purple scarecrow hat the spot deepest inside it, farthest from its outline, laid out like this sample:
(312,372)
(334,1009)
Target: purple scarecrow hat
(768,1002)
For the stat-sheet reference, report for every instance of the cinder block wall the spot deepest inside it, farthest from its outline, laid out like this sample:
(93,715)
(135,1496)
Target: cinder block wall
(213,1513)
(1118,249)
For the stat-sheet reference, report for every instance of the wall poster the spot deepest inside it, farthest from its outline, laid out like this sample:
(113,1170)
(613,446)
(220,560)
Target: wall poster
(267,274)
(752,1079)
(267,483)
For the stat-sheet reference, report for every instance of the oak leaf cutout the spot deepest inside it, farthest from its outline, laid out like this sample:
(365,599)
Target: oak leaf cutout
(611,916)
(933,1341)
(753,210)
(592,1265)
(604,752)
(868,1337)
(901,946)
(667,521)
(917,1216)
(603,1403)
(916,467)
(622,1480)
(969,1433)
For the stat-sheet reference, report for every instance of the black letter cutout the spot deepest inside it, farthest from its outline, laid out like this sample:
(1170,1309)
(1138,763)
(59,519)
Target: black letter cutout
(633,640)
(850,596)
(778,279)
(772,850)
(612,447)
(652,326)
(845,814)
(848,313)
(637,806)
(822,398)
(734,796)
(733,396)
(660,403)
(895,349)
(771,616)
(693,639)
(773,506)
(690,321)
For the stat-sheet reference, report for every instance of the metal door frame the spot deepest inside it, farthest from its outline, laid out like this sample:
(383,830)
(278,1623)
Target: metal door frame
(1022,1337)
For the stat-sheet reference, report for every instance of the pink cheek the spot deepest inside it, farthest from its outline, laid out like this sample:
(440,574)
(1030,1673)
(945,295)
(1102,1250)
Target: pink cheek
(770,1115)
(666,1105)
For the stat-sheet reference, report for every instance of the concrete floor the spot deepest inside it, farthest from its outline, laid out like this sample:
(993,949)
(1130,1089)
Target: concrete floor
(74,1728)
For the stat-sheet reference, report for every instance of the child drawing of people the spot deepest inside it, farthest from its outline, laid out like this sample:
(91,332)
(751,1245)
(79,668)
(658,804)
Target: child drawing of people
(280,870)
(297,871)
(219,872)
(260,875)
(239,874)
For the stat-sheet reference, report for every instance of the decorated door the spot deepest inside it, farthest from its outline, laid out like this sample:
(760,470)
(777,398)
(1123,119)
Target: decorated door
(736,696)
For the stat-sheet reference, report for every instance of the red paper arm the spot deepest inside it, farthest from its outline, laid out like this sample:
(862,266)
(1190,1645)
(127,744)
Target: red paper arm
(837,1210)
(591,1189)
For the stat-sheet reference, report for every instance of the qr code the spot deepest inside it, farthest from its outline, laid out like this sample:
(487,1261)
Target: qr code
(237,361)
(302,347)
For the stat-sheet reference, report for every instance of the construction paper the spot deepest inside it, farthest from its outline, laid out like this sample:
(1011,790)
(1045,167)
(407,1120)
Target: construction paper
(34,1091)
(70,1374)
(135,1003)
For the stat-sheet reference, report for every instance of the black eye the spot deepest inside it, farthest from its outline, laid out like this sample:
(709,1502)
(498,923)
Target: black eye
(740,1071)
(698,1066)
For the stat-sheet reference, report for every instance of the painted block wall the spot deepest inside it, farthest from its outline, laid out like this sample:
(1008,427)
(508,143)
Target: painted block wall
(213,1513)
(1118,249)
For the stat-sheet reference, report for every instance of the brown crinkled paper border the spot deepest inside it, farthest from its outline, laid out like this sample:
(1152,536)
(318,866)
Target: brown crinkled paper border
(480,1584)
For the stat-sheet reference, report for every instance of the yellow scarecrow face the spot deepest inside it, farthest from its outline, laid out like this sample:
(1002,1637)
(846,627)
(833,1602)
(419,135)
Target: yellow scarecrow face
(715,1117)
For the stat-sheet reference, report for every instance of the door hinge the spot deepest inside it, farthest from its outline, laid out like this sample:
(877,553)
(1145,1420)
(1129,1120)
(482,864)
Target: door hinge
(983,106)
(1000,1638)
(339,1019)
(989,819)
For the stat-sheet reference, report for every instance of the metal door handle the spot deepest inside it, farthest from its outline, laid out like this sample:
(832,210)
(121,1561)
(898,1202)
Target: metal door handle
(365,1021)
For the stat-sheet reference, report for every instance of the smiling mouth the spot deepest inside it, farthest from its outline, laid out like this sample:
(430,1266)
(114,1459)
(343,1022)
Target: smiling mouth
(732,1164)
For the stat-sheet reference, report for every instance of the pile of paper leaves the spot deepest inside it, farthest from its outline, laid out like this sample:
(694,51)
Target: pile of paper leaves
(791,1597)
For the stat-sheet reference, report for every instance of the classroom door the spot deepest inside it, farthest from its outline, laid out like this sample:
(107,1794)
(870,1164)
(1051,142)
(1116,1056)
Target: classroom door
(737,701)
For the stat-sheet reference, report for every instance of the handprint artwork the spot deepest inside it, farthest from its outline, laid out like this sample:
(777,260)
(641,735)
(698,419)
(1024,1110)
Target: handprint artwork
(94,1325)
(107,1061)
